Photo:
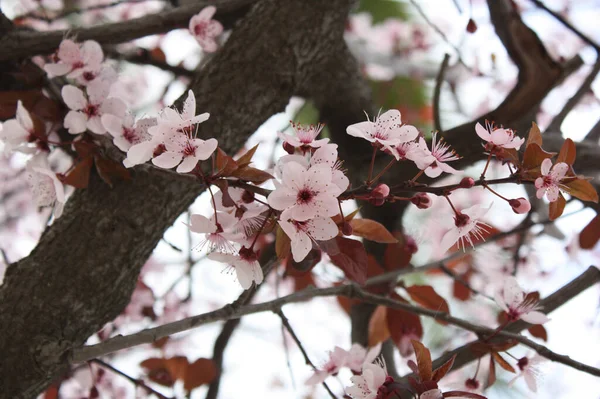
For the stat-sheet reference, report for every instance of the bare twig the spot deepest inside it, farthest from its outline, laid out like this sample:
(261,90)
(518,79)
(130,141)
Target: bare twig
(288,327)
(135,381)
(437,124)
(590,277)
(573,101)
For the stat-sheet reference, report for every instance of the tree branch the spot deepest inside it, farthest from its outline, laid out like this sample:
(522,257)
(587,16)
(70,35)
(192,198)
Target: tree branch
(20,43)
(437,124)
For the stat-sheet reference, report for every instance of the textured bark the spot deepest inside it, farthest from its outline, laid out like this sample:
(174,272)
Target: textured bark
(82,273)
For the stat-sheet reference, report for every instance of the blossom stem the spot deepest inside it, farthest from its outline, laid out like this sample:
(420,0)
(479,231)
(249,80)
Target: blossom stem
(452,205)
(497,330)
(372,165)
(414,179)
(486,166)
(477,369)
(341,212)
(388,166)
(396,198)
(495,193)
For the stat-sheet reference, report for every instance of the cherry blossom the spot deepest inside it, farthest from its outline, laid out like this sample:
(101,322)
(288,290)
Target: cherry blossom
(442,154)
(515,303)
(367,385)
(302,233)
(387,130)
(247,269)
(415,151)
(530,371)
(87,113)
(358,356)
(304,139)
(247,211)
(125,131)
(432,394)
(520,205)
(74,60)
(46,188)
(305,192)
(467,224)
(219,230)
(337,359)
(327,156)
(205,29)
(17,132)
(549,182)
(105,75)
(499,137)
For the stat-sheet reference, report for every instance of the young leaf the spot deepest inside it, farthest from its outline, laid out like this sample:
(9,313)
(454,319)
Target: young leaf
(251,174)
(567,153)
(582,189)
(378,328)
(226,199)
(282,243)
(403,327)
(426,296)
(245,159)
(491,373)
(534,136)
(338,219)
(79,176)
(538,331)
(372,230)
(225,164)
(589,236)
(441,371)
(503,363)
(397,255)
(108,168)
(350,256)
(158,372)
(534,155)
(423,360)
(557,207)
(202,371)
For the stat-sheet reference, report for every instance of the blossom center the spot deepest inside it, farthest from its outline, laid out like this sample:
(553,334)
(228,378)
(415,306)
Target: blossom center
(461,220)
(77,65)
(189,149)
(305,196)
(200,29)
(522,363)
(129,134)
(89,76)
(91,110)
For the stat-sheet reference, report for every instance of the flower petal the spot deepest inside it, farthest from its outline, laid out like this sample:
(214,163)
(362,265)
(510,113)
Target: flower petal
(75,122)
(535,317)
(73,97)
(167,160)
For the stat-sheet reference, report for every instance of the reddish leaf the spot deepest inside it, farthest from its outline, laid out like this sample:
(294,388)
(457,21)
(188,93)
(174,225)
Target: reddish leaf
(251,174)
(85,148)
(177,366)
(225,164)
(158,55)
(509,155)
(245,159)
(426,296)
(463,394)
(491,373)
(79,176)
(226,199)
(423,360)
(582,189)
(301,268)
(557,207)
(538,331)
(589,236)
(459,290)
(481,348)
(567,153)
(534,155)
(33,100)
(350,256)
(403,326)
(534,136)
(202,371)
(503,363)
(158,372)
(52,391)
(372,230)
(107,169)
(160,343)
(282,244)
(338,219)
(397,255)
(303,281)
(441,371)
(378,328)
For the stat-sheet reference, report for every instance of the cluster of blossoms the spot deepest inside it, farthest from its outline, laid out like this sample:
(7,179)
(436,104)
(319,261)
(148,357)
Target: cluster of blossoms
(355,359)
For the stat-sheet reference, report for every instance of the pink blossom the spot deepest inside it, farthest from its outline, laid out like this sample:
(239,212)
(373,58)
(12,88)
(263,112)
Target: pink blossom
(74,60)
(303,233)
(327,156)
(17,132)
(387,130)
(248,214)
(125,131)
(205,29)
(421,201)
(520,205)
(530,371)
(549,182)
(87,113)
(415,151)
(337,359)
(499,137)
(432,394)
(219,230)
(442,154)
(247,269)
(46,188)
(368,384)
(305,137)
(107,75)
(307,193)
(514,302)
(467,224)
(358,356)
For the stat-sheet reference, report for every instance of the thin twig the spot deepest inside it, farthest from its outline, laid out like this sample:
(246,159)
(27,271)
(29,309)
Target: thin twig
(286,323)
(135,381)
(437,124)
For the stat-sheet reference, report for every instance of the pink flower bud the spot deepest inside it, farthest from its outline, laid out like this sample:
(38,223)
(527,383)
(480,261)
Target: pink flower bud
(346,229)
(520,205)
(472,384)
(421,200)
(377,201)
(381,191)
(466,182)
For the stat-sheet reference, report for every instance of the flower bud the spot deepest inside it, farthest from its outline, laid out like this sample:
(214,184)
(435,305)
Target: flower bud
(346,229)
(381,191)
(472,384)
(520,205)
(377,201)
(471,26)
(421,200)
(288,148)
(466,182)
